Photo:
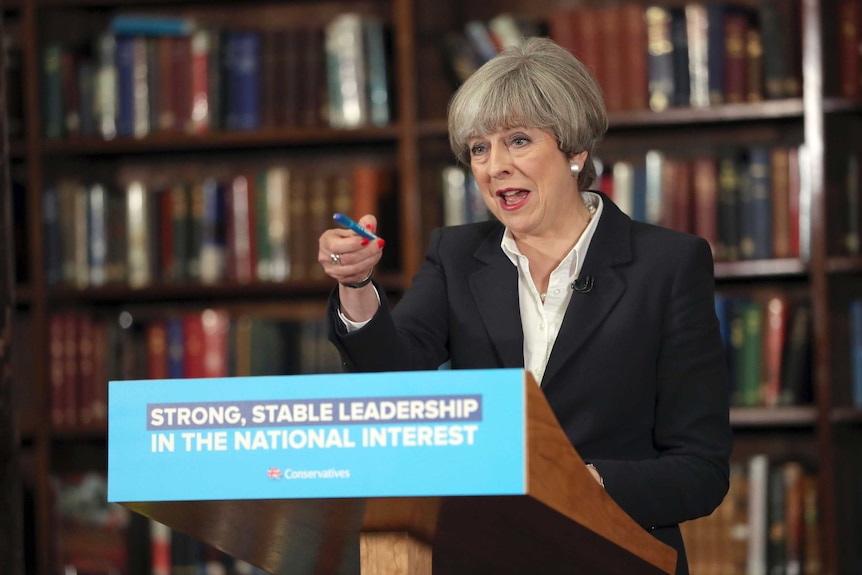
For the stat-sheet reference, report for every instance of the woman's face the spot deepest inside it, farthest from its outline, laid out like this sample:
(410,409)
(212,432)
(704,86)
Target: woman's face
(526,180)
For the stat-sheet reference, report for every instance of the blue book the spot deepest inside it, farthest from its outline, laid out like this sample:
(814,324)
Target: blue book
(681,76)
(376,70)
(125,62)
(759,220)
(856,352)
(715,48)
(176,347)
(213,243)
(143,25)
(243,77)
(51,229)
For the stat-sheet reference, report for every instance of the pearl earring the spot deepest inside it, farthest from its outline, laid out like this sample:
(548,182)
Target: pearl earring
(575,169)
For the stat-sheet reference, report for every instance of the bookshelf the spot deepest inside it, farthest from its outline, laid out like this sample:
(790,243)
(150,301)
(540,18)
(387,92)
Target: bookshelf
(825,274)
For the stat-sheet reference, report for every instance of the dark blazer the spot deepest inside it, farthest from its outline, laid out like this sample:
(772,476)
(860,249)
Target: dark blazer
(636,377)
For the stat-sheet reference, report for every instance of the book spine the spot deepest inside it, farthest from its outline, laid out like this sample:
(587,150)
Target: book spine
(244,80)
(52,93)
(125,63)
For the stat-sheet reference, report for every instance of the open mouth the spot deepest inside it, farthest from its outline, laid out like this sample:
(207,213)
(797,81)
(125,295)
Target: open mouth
(512,198)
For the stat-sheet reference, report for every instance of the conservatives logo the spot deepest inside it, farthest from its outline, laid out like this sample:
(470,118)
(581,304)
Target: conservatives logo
(331,473)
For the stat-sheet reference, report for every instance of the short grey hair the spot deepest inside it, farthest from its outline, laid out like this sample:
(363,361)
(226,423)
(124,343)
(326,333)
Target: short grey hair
(535,85)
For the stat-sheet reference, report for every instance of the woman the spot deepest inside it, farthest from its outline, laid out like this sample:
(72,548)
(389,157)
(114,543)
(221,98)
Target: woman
(614,318)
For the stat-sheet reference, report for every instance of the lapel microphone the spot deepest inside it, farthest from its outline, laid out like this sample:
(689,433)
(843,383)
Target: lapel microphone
(583,286)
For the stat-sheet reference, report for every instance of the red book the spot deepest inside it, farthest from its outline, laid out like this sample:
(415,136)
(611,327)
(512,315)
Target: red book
(87,370)
(181,64)
(193,355)
(56,369)
(735,57)
(160,548)
(683,204)
(635,68)
(157,350)
(562,29)
(215,325)
(206,343)
(705,181)
(848,49)
(71,369)
(588,25)
(774,335)
(100,372)
(612,44)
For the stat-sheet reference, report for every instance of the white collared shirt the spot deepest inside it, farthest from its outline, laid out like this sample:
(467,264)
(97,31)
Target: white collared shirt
(541,322)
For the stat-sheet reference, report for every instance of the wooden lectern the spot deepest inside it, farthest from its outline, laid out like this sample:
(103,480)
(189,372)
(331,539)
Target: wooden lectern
(565,523)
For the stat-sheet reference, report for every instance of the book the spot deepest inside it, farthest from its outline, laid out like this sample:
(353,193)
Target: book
(774,340)
(346,71)
(126,24)
(736,56)
(758,521)
(856,352)
(92,533)
(137,218)
(697,36)
(53,113)
(377,71)
(243,77)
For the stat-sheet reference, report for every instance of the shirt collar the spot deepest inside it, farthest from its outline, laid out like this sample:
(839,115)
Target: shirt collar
(576,256)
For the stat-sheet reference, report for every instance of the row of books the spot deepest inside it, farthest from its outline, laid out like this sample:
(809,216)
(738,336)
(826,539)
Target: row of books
(698,54)
(87,351)
(768,523)
(767,341)
(746,202)
(94,537)
(198,225)
(148,75)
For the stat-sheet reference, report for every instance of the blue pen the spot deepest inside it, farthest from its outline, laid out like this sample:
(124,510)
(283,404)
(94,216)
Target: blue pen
(348,223)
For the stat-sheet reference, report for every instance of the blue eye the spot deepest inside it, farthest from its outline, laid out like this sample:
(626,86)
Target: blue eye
(477,149)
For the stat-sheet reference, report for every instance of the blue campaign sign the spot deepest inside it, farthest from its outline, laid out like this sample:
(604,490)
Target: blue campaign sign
(396,434)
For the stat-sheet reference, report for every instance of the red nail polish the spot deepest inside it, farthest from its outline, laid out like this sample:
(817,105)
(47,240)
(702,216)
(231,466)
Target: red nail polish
(369,227)
(380,243)
(364,242)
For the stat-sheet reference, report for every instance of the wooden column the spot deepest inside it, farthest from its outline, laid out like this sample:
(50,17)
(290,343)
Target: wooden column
(393,553)
(11,543)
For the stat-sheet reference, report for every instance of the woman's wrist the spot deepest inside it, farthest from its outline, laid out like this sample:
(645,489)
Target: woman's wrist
(361,283)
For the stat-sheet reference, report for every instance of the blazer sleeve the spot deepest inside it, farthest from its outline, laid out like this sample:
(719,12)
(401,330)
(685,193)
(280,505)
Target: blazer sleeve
(413,337)
(692,434)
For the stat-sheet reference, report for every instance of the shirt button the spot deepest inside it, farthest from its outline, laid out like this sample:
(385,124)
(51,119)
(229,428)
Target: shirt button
(541,326)
(556,292)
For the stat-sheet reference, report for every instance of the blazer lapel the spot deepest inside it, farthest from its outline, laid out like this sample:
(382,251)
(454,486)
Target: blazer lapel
(610,246)
(495,290)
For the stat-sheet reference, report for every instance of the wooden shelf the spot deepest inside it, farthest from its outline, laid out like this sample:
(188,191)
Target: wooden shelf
(756,112)
(775,417)
(167,142)
(158,293)
(759,269)
(844,265)
(846,415)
